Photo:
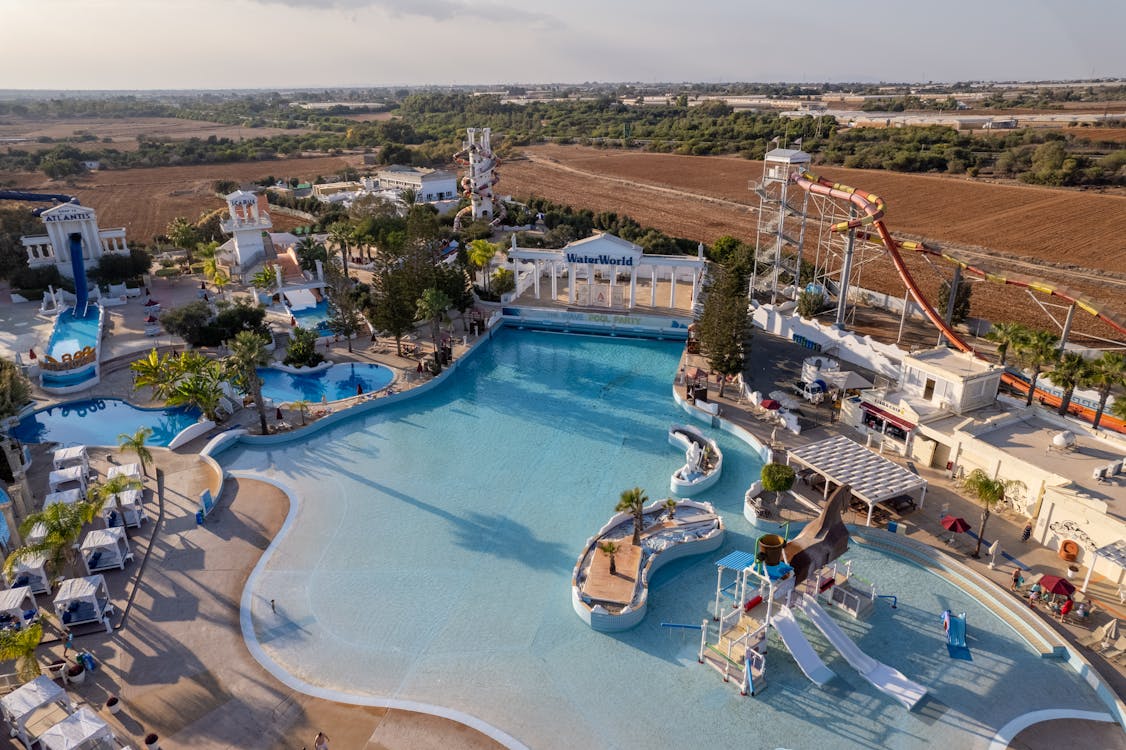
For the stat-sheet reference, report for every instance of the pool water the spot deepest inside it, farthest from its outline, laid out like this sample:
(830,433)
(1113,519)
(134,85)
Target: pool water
(430,558)
(73,334)
(334,383)
(99,421)
(315,318)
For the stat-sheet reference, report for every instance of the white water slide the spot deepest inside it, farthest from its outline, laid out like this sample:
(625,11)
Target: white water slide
(885,678)
(803,653)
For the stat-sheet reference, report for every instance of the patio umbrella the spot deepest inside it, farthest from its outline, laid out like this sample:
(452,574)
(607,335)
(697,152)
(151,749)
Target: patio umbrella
(957,525)
(771,404)
(151,319)
(1056,585)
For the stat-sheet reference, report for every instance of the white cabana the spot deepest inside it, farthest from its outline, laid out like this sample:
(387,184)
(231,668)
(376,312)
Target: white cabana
(872,477)
(82,600)
(103,549)
(132,511)
(74,456)
(82,730)
(31,571)
(65,479)
(18,608)
(125,470)
(31,709)
(67,497)
(36,534)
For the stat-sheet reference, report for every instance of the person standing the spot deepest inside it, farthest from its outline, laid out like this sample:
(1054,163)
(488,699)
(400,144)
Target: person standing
(321,741)
(1027,533)
(1016,580)
(1065,609)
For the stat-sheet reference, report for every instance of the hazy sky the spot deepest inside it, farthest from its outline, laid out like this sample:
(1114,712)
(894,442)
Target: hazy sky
(140,44)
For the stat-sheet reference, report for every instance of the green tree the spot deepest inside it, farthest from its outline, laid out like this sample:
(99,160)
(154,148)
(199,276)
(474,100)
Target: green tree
(432,306)
(1117,408)
(21,646)
(265,279)
(777,478)
(961,301)
(135,443)
(111,489)
(480,253)
(1104,375)
(1006,336)
(62,526)
(200,390)
(1039,350)
(309,251)
(724,330)
(1069,373)
(343,235)
(248,353)
(345,315)
(989,492)
(302,349)
(184,235)
(302,407)
(610,549)
(15,390)
(633,501)
(810,303)
(670,506)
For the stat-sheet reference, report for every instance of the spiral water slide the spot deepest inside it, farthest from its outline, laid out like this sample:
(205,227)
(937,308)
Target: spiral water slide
(478,184)
(871,208)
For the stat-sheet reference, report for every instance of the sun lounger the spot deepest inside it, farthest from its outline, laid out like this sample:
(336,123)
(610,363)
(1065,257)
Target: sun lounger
(1118,649)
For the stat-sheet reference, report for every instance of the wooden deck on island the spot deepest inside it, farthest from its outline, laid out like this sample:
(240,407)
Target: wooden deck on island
(619,588)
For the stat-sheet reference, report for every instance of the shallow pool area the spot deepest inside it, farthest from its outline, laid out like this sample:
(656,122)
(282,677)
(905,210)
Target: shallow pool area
(429,560)
(332,383)
(71,334)
(98,421)
(314,318)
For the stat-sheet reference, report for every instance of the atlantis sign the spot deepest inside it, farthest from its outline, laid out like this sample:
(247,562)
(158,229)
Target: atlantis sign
(601,259)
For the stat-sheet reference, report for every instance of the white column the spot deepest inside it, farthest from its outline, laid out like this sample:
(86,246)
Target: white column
(672,288)
(632,286)
(554,281)
(871,507)
(1086,579)
(590,284)
(613,278)
(571,283)
(653,286)
(538,271)
(695,285)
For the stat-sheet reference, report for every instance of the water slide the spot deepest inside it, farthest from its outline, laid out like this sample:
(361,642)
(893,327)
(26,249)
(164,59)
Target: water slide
(78,268)
(19,195)
(956,635)
(871,207)
(886,679)
(803,653)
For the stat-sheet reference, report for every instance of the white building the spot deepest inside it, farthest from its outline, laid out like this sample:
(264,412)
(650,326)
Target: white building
(248,221)
(430,185)
(53,248)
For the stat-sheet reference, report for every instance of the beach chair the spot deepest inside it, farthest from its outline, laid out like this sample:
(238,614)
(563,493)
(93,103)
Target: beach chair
(1116,650)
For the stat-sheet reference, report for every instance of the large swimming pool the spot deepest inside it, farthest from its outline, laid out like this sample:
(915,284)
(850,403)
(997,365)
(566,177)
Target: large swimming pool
(98,421)
(333,383)
(430,556)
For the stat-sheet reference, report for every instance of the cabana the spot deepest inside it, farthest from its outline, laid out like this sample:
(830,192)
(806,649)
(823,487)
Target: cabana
(103,549)
(65,479)
(82,730)
(18,608)
(32,709)
(132,470)
(132,511)
(75,456)
(31,571)
(68,497)
(36,534)
(82,600)
(872,477)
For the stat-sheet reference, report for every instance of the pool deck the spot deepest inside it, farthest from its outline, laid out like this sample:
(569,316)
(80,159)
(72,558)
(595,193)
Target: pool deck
(182,669)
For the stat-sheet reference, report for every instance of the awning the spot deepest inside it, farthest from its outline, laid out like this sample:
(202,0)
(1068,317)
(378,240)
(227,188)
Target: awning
(888,417)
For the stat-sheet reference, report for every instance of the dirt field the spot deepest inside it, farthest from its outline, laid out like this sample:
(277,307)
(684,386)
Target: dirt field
(1055,234)
(368,116)
(1114,135)
(145,200)
(124,131)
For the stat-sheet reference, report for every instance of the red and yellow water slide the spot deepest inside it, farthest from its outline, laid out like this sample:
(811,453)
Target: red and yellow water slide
(871,208)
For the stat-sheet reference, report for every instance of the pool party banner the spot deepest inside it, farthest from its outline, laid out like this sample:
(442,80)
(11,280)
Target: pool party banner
(649,325)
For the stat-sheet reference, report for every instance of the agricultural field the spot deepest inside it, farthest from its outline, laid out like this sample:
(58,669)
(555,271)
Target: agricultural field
(1071,237)
(122,131)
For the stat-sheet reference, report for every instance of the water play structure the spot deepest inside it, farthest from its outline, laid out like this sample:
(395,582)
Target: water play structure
(703,460)
(477,155)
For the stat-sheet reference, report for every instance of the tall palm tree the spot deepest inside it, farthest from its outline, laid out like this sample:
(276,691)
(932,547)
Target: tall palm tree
(220,281)
(1118,408)
(633,501)
(480,253)
(989,492)
(1038,350)
(1006,335)
(102,492)
(432,306)
(343,234)
(136,444)
(1069,373)
(156,372)
(301,407)
(1105,374)
(248,353)
(21,646)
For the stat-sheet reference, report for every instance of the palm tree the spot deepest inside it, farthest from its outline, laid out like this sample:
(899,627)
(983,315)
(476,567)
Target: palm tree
(670,506)
(248,353)
(633,501)
(409,196)
(480,253)
(220,281)
(988,491)
(265,278)
(343,235)
(156,372)
(1006,335)
(101,493)
(301,407)
(432,306)
(1105,374)
(1118,408)
(1039,349)
(610,549)
(21,645)
(202,391)
(63,524)
(1069,373)
(136,444)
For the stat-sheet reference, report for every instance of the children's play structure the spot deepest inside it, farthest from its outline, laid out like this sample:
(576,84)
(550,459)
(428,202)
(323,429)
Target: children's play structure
(766,589)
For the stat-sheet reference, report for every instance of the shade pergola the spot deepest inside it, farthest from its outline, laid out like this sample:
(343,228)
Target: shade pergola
(1115,552)
(872,477)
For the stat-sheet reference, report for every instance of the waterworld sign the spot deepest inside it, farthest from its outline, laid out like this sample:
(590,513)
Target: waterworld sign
(602,259)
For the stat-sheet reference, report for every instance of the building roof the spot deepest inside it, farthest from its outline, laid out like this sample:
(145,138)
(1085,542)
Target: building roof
(788,155)
(950,361)
(872,477)
(591,243)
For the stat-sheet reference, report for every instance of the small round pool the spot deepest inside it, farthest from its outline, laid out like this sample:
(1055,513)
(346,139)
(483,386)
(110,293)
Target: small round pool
(332,383)
(98,421)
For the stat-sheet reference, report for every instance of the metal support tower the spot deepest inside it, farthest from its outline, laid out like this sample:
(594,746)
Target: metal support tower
(781,220)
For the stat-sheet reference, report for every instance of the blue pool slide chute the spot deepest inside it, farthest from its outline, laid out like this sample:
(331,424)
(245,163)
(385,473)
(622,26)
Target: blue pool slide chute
(19,195)
(78,266)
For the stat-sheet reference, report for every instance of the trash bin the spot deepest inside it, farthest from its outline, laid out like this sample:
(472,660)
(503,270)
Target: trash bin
(199,518)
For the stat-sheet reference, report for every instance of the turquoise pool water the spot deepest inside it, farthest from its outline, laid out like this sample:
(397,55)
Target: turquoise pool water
(431,553)
(315,317)
(99,421)
(71,334)
(334,383)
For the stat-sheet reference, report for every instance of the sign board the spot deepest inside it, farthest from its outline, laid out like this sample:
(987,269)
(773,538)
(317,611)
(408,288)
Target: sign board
(207,502)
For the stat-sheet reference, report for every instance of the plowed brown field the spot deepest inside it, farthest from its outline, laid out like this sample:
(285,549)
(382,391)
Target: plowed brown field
(123,132)
(1073,238)
(145,200)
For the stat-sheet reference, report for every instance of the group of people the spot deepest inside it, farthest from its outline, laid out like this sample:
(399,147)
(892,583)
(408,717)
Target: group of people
(1062,607)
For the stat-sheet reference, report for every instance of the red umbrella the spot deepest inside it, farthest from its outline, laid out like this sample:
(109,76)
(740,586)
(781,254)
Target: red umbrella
(771,404)
(1056,585)
(151,319)
(957,525)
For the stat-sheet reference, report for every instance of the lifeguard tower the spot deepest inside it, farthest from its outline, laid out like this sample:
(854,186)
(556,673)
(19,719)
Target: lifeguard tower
(248,222)
(781,220)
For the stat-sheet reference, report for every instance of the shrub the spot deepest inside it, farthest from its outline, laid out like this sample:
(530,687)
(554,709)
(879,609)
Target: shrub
(302,349)
(504,281)
(810,303)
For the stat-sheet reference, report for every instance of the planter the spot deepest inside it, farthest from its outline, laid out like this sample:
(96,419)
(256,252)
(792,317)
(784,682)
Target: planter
(76,674)
(771,545)
(113,705)
(56,669)
(152,742)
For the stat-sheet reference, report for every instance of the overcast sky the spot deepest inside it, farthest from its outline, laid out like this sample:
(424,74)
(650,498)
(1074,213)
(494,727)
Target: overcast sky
(143,44)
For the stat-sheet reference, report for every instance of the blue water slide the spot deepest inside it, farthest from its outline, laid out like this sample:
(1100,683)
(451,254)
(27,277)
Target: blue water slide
(19,195)
(78,266)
